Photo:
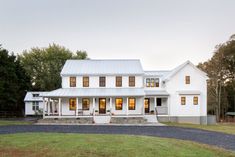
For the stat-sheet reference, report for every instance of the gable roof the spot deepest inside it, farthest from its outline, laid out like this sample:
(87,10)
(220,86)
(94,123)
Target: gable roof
(29,96)
(107,67)
(180,67)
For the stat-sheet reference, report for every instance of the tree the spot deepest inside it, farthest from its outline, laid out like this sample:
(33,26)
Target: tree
(221,70)
(44,65)
(13,82)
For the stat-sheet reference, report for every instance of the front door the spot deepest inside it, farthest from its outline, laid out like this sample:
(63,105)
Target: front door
(146,105)
(102,105)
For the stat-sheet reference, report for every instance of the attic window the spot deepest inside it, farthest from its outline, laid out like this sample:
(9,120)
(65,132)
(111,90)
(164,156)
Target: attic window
(35,95)
(187,79)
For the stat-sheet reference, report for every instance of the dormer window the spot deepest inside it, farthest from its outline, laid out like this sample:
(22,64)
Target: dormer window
(72,81)
(35,95)
(187,79)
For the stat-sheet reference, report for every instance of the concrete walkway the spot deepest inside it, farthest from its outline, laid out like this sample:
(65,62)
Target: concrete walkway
(222,140)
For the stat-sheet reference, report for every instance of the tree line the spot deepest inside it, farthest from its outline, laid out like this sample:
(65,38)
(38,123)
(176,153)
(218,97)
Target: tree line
(37,69)
(221,85)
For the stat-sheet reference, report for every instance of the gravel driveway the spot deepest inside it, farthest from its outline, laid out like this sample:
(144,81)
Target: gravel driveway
(226,141)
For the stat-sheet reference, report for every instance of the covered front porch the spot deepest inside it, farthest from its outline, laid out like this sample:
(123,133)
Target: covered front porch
(75,103)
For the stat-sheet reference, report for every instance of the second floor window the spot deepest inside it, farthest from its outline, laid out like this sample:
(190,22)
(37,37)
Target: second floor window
(102,81)
(131,81)
(152,82)
(85,81)
(72,81)
(118,81)
(187,79)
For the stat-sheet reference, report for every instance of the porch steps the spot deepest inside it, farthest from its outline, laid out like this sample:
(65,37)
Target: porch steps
(101,119)
(151,118)
(83,120)
(128,120)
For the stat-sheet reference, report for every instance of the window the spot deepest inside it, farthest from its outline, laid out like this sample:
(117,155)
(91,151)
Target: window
(72,104)
(195,100)
(187,79)
(131,104)
(159,102)
(35,106)
(118,104)
(72,81)
(147,82)
(156,82)
(35,95)
(183,100)
(152,82)
(85,104)
(102,81)
(85,81)
(131,81)
(118,81)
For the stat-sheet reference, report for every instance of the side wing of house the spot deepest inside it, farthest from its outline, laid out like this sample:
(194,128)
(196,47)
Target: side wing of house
(187,87)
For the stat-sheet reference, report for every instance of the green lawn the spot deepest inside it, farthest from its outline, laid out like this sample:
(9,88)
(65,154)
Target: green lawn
(90,145)
(221,127)
(13,122)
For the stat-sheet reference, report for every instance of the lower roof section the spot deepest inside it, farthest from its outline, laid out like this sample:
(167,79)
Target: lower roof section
(156,93)
(189,92)
(95,92)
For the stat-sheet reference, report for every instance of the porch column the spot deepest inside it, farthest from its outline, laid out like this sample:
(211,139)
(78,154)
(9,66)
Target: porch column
(44,108)
(76,110)
(143,109)
(127,104)
(155,105)
(59,108)
(110,105)
(48,106)
(93,107)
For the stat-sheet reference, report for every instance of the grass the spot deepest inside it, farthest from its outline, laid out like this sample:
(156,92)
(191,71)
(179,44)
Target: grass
(221,127)
(91,145)
(14,122)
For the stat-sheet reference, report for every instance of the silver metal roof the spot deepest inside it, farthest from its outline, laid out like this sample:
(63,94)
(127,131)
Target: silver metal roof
(157,73)
(29,96)
(99,67)
(156,93)
(82,92)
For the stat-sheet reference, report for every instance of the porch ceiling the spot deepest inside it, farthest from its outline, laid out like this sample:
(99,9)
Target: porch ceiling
(95,92)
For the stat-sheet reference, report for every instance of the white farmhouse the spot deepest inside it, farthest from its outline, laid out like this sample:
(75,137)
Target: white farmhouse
(107,89)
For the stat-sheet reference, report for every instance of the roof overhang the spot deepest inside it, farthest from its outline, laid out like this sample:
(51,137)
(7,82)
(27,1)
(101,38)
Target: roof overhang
(189,92)
(95,92)
(161,93)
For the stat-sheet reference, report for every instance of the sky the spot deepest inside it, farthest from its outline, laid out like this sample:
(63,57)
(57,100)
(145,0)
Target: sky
(161,33)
